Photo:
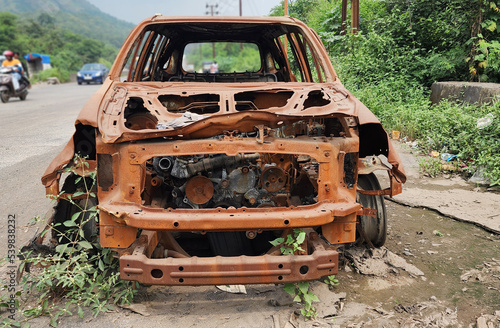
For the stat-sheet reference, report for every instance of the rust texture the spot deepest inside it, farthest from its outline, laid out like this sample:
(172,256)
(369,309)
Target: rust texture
(211,165)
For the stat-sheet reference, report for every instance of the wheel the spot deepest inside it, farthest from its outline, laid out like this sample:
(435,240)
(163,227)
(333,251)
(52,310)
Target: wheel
(4,96)
(66,209)
(375,228)
(79,82)
(23,95)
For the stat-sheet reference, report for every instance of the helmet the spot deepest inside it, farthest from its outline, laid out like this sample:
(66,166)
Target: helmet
(8,53)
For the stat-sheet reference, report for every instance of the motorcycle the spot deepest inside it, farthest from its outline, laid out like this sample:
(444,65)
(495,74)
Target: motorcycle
(7,86)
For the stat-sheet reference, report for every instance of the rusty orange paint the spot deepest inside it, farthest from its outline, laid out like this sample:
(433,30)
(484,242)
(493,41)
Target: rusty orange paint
(214,166)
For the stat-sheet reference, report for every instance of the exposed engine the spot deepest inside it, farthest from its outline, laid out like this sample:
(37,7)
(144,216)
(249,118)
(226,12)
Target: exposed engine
(251,180)
(247,179)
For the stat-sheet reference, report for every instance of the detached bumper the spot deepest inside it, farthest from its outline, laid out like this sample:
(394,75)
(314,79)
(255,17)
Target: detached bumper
(265,269)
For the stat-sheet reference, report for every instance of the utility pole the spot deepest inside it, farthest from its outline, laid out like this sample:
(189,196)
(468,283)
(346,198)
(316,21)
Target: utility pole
(241,14)
(212,12)
(354,16)
(286,43)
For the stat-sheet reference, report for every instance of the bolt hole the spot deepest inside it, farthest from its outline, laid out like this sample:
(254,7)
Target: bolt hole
(280,266)
(280,277)
(304,269)
(176,224)
(128,264)
(286,222)
(181,268)
(181,280)
(156,273)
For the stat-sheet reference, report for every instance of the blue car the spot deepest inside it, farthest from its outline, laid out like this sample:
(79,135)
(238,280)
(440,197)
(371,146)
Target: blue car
(94,72)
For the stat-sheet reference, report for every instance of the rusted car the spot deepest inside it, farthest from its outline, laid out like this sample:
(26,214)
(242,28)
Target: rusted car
(199,170)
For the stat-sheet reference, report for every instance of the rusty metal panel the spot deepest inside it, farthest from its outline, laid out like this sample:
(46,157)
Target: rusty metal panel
(341,231)
(231,270)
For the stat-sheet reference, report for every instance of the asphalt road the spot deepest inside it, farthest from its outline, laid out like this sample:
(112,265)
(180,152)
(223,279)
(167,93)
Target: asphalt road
(32,132)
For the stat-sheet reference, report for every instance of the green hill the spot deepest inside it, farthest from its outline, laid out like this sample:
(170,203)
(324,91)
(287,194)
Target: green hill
(77,16)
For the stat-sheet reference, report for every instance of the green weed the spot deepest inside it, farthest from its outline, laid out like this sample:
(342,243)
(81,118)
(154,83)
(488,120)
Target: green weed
(79,274)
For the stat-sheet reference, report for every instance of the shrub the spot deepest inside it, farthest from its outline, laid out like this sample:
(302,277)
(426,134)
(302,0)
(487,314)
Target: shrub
(62,75)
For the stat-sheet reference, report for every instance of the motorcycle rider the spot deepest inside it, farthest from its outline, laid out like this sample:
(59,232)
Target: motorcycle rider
(23,65)
(15,64)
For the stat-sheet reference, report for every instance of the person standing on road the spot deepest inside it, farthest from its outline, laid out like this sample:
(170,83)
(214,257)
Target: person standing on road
(10,61)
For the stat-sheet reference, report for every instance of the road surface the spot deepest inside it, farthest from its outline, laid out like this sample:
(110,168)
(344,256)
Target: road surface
(32,132)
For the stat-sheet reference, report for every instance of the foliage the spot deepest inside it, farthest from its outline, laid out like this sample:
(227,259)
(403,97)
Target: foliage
(484,59)
(292,243)
(63,76)
(430,166)
(68,51)
(331,281)
(79,17)
(79,274)
(300,290)
(301,293)
(402,48)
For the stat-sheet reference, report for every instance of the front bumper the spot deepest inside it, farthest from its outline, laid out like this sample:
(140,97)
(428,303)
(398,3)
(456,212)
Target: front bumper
(266,269)
(94,79)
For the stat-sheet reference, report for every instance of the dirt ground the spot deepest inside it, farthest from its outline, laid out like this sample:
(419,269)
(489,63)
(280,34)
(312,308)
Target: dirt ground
(434,271)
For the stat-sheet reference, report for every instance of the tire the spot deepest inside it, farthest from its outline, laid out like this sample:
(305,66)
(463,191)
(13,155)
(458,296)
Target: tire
(4,96)
(66,209)
(79,82)
(375,227)
(23,95)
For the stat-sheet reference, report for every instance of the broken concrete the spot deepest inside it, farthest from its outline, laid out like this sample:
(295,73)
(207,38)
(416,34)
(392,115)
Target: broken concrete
(469,92)
(452,197)
(379,262)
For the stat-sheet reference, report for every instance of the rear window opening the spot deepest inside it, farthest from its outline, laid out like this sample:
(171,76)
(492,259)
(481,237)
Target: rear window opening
(221,57)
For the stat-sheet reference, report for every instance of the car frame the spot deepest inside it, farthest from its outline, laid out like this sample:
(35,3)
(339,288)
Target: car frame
(198,173)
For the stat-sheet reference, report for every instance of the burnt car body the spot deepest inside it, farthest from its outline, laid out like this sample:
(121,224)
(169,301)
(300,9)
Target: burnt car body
(197,172)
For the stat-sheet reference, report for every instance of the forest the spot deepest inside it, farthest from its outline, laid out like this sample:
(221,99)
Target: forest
(68,51)
(402,47)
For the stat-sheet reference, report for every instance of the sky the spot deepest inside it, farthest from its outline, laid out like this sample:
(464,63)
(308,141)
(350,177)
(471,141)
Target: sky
(135,11)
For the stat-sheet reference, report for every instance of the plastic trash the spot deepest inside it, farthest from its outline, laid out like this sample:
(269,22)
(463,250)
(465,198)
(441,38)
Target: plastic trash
(485,121)
(479,178)
(448,157)
(395,135)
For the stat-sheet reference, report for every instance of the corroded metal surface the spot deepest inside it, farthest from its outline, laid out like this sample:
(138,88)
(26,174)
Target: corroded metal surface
(213,165)
(219,270)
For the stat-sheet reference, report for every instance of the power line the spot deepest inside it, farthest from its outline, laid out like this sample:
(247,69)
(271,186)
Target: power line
(210,9)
